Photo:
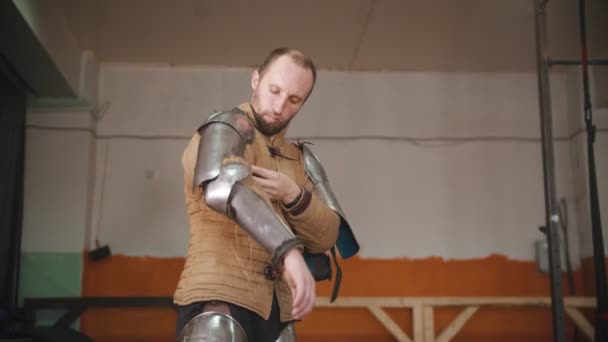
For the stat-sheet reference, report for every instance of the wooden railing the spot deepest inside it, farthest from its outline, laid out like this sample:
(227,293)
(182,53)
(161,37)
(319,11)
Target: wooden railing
(423,321)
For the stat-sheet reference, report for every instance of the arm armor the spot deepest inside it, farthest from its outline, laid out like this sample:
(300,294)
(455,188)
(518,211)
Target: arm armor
(223,135)
(347,243)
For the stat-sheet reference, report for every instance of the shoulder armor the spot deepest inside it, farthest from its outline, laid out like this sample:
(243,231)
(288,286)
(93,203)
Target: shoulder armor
(234,118)
(347,243)
(317,174)
(224,134)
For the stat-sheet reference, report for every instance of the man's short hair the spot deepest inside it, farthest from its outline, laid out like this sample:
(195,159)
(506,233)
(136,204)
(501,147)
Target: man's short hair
(296,56)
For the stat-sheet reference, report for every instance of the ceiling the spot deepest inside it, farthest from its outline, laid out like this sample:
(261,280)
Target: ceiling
(395,35)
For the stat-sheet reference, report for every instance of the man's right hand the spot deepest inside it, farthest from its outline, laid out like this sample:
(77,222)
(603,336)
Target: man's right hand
(300,281)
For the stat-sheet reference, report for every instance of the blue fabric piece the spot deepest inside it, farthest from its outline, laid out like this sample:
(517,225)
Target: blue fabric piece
(347,243)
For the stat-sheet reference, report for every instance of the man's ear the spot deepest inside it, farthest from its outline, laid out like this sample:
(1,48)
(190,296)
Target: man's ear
(255,79)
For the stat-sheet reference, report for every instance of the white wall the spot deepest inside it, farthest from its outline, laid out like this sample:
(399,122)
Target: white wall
(424,164)
(60,153)
(580,220)
(419,193)
(581,195)
(58,170)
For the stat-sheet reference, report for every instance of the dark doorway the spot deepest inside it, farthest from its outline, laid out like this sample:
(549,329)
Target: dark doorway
(12,150)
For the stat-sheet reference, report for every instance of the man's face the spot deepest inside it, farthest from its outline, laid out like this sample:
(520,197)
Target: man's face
(279,94)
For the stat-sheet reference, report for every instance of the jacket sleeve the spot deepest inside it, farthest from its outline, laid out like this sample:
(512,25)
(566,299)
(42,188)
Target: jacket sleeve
(313,222)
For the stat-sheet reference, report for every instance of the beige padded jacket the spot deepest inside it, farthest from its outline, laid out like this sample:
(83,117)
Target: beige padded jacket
(224,262)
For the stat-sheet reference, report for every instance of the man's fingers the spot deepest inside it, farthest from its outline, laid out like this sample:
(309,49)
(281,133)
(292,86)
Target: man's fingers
(296,295)
(264,183)
(304,300)
(310,299)
(261,181)
(300,308)
(256,169)
(298,292)
(301,284)
(260,171)
(298,298)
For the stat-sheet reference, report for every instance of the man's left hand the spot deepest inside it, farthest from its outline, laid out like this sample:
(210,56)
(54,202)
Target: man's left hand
(276,184)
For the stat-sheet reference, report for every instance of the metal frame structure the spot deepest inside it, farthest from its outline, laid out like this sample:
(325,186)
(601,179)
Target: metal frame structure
(75,306)
(551,228)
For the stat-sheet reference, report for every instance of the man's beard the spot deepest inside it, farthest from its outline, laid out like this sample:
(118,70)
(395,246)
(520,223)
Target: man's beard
(268,129)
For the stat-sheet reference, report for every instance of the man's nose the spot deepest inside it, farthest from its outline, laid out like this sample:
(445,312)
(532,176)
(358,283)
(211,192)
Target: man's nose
(279,105)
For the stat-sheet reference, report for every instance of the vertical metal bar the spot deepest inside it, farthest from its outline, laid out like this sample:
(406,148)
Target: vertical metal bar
(551,208)
(601,319)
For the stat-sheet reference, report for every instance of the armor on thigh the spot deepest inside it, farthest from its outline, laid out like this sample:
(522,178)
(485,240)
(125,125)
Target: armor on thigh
(288,334)
(212,326)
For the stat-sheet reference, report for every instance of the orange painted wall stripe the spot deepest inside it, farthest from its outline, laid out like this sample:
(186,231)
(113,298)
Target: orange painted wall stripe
(491,276)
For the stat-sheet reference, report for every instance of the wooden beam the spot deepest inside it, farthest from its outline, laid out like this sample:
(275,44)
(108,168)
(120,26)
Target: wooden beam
(418,322)
(410,302)
(457,324)
(422,311)
(587,302)
(581,322)
(389,324)
(429,324)
(357,302)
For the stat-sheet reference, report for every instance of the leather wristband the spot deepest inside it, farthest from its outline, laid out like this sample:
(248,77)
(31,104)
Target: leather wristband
(301,205)
(295,201)
(276,259)
(275,268)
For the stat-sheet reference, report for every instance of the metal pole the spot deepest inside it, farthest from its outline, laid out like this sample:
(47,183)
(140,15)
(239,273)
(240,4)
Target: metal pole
(567,61)
(601,321)
(551,206)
